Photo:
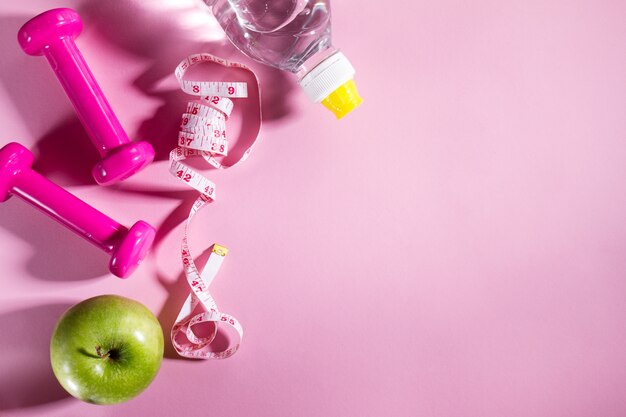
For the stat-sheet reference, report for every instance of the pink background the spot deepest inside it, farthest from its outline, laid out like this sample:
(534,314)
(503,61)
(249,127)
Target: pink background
(455,247)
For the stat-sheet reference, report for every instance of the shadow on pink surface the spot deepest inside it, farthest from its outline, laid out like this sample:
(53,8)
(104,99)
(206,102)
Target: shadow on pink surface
(66,155)
(59,254)
(26,377)
(176,216)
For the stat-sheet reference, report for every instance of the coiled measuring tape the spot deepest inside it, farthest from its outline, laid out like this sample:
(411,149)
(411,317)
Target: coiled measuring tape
(203,134)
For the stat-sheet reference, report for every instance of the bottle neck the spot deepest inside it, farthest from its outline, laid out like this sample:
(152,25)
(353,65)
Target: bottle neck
(314,60)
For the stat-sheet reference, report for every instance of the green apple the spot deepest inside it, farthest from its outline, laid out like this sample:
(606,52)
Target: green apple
(106,349)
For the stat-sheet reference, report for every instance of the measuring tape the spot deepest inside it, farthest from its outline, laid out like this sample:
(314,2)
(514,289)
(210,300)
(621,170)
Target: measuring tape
(203,134)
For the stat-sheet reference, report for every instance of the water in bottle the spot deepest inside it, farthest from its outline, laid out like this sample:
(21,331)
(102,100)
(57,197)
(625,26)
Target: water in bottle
(295,36)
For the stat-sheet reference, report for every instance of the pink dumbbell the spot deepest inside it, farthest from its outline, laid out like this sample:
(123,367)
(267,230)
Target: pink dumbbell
(126,246)
(52,34)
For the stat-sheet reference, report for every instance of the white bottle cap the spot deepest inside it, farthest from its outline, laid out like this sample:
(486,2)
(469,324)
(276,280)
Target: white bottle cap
(327,76)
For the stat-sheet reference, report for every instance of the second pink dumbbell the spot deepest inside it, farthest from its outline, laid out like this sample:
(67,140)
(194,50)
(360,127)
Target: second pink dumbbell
(127,247)
(52,34)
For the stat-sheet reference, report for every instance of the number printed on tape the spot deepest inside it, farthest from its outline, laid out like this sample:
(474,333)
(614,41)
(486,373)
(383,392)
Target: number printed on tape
(203,134)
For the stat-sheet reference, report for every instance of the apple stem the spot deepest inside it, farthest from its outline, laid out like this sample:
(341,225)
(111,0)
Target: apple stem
(99,352)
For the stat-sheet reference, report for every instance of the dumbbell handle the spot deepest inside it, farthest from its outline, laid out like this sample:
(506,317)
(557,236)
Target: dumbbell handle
(79,84)
(68,210)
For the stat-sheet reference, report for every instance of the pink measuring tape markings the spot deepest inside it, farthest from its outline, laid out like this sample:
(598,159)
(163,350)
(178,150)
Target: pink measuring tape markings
(203,134)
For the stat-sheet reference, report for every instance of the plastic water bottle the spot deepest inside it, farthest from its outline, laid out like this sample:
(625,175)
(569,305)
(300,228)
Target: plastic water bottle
(295,36)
